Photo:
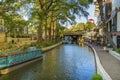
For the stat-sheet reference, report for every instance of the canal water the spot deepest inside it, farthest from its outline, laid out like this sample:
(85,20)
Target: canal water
(66,62)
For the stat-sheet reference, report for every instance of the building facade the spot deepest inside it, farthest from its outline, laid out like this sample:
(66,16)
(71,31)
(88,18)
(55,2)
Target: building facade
(111,14)
(116,5)
(114,21)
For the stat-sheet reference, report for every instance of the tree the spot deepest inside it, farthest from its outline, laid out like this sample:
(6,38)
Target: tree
(104,25)
(79,27)
(9,10)
(89,26)
(65,11)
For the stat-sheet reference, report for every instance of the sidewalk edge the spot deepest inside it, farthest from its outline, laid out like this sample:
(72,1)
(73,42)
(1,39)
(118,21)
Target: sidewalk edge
(100,69)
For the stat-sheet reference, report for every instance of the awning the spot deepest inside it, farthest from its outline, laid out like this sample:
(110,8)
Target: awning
(115,33)
(108,1)
(113,13)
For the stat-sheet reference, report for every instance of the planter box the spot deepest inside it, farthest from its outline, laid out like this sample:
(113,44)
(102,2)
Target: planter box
(115,54)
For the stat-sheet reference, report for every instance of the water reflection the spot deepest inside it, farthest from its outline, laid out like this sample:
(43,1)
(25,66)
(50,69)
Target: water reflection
(67,62)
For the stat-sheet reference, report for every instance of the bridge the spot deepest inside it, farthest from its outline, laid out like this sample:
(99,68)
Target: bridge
(72,37)
(77,33)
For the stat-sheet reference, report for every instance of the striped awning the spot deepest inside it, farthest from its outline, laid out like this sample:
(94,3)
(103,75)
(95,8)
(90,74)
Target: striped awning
(115,33)
(108,1)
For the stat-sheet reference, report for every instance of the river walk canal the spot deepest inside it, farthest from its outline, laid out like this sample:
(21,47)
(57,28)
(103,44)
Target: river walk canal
(66,62)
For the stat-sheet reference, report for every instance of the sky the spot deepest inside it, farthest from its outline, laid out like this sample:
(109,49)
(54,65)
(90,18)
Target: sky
(91,16)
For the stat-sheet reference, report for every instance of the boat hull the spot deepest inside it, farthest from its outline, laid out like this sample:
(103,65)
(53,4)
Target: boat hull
(17,66)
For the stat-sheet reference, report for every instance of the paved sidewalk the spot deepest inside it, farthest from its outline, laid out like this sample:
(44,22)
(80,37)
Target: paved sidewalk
(109,63)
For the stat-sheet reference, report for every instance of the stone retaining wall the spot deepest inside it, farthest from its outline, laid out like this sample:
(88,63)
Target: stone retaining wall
(51,47)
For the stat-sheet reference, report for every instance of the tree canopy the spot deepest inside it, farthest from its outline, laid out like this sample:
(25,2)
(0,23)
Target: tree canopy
(46,15)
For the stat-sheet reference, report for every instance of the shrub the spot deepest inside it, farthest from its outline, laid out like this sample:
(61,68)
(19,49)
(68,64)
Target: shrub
(10,45)
(46,44)
(33,44)
(25,47)
(118,50)
(12,35)
(97,77)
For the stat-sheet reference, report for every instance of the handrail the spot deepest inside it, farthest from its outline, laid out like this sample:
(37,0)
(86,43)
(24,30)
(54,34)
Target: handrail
(15,53)
(12,53)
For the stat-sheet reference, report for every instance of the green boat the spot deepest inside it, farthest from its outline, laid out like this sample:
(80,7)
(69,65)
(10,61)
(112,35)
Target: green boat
(14,59)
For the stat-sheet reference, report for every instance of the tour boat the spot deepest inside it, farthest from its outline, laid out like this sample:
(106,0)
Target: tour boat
(14,59)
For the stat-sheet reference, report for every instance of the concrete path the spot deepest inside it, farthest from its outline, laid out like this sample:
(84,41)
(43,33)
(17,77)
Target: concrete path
(109,63)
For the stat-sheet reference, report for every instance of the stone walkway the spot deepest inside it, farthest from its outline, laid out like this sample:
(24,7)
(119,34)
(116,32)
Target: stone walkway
(109,63)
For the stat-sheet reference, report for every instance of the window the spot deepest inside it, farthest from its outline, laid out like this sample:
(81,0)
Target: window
(114,25)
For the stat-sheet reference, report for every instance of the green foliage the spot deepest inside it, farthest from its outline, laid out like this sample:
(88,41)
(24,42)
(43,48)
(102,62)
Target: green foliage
(46,44)
(25,47)
(20,35)
(10,12)
(58,11)
(80,27)
(85,2)
(89,25)
(10,45)
(33,44)
(118,50)
(97,77)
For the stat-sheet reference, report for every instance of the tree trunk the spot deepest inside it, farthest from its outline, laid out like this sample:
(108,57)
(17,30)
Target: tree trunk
(49,33)
(39,40)
(51,29)
(53,37)
(55,32)
(5,39)
(46,29)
